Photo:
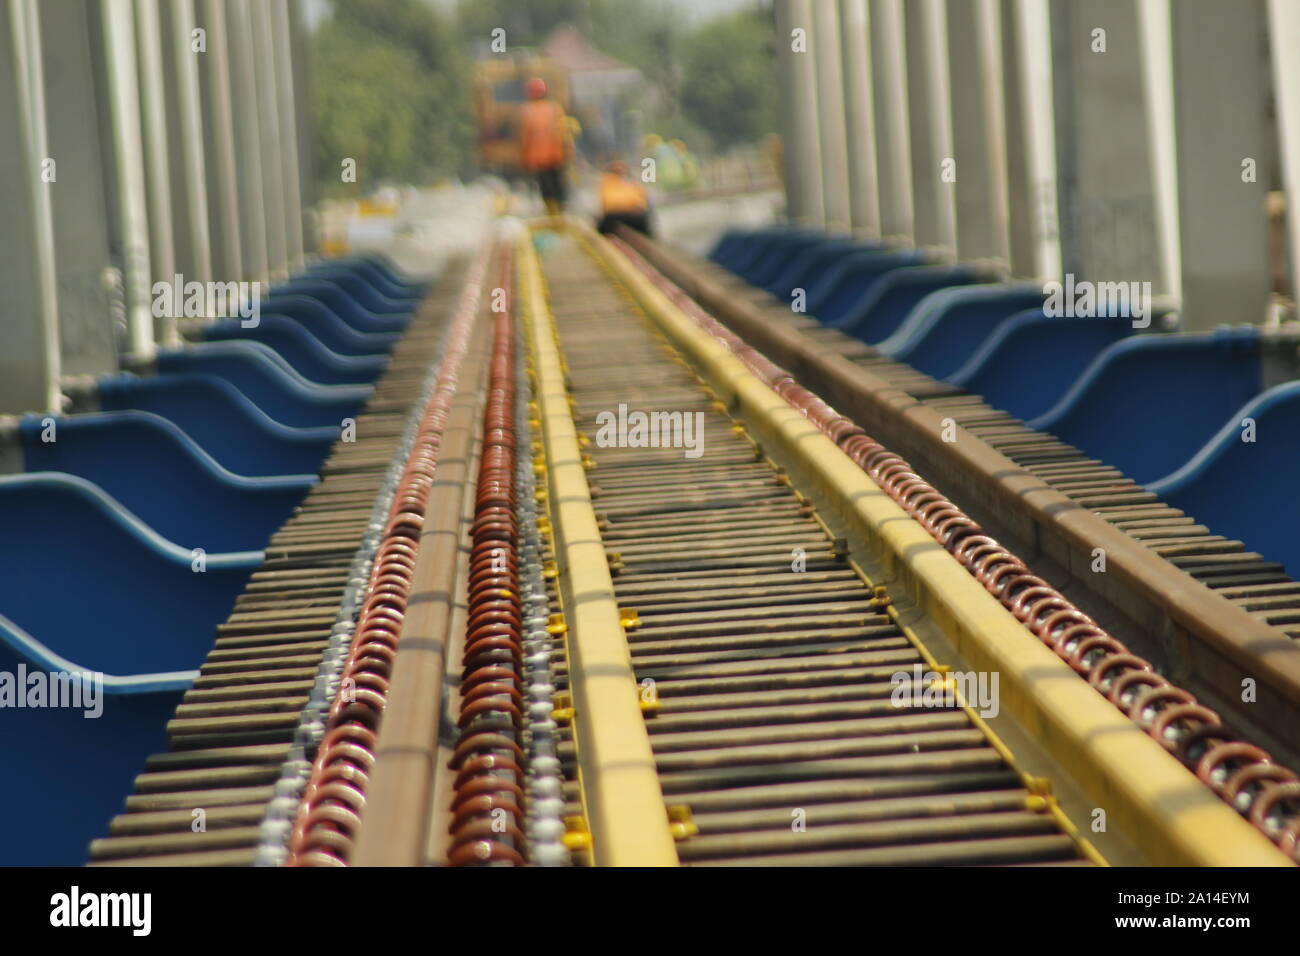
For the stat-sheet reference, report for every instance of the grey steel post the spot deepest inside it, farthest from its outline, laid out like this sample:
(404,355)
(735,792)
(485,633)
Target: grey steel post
(132,205)
(893,136)
(29,362)
(785,120)
(1019,179)
(1221,131)
(830,115)
(859,111)
(1104,171)
(929,125)
(288,113)
(975,88)
(243,94)
(302,118)
(188,164)
(267,103)
(79,157)
(801,143)
(219,144)
(162,255)
(1284,39)
(1034,53)
(1157,72)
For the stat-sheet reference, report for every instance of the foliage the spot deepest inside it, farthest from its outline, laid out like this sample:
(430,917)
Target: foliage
(728,66)
(390,88)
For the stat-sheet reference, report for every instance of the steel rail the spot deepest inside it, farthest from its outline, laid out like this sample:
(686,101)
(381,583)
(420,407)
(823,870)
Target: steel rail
(335,795)
(488,805)
(397,828)
(225,789)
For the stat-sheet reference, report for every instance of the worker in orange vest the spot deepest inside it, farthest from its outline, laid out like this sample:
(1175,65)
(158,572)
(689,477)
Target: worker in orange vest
(544,144)
(622,201)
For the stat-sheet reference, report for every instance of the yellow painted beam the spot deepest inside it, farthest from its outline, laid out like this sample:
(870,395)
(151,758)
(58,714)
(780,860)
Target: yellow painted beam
(620,783)
(1147,795)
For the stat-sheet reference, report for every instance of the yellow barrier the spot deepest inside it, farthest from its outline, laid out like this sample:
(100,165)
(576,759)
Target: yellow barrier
(619,781)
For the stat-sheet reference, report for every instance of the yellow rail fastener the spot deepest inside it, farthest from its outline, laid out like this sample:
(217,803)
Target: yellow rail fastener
(681,822)
(1036,803)
(577,838)
(562,711)
(945,683)
(1039,786)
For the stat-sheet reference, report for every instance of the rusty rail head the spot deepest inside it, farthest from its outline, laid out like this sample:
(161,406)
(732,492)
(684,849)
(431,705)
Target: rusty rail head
(329,815)
(488,802)
(395,830)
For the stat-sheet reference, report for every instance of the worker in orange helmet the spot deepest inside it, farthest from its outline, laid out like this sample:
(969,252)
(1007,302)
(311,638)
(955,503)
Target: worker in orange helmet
(544,144)
(622,200)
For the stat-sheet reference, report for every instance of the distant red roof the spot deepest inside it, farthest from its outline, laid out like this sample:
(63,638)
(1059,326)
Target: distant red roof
(571,49)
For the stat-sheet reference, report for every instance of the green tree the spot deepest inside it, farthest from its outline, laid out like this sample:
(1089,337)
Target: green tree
(727,78)
(390,88)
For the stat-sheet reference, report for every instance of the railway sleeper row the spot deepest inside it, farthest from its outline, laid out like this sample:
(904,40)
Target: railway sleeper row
(789,710)
(769,689)
(1259,644)
(202,802)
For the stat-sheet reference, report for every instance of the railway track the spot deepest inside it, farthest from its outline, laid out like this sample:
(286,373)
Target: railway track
(238,743)
(732,746)
(769,688)
(509,628)
(1208,612)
